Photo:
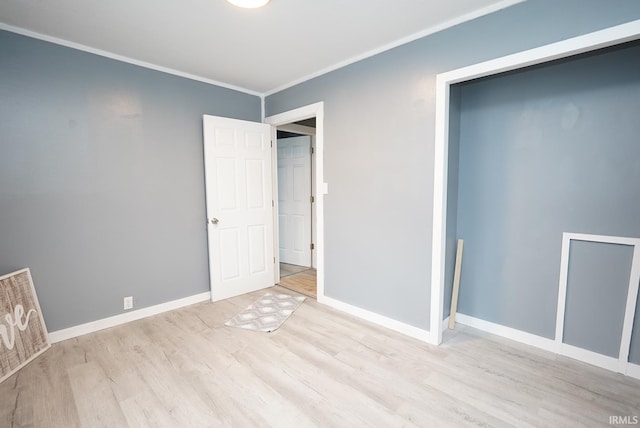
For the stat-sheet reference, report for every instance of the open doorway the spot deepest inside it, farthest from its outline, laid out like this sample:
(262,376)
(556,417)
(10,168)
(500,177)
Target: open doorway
(291,121)
(295,147)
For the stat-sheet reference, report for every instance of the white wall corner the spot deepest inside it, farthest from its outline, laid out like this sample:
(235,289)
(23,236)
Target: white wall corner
(593,358)
(93,326)
(445,324)
(633,370)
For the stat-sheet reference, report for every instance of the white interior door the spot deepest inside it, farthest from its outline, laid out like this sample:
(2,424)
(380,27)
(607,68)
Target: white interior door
(294,200)
(237,158)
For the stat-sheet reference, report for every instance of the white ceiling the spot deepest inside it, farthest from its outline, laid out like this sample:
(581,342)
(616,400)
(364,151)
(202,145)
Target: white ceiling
(258,51)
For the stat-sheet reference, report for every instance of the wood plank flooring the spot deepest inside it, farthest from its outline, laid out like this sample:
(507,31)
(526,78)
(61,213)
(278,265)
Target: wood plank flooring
(287,269)
(321,368)
(304,282)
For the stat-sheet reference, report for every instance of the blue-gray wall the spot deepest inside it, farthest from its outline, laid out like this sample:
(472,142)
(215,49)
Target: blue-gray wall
(379,133)
(597,287)
(102,178)
(544,151)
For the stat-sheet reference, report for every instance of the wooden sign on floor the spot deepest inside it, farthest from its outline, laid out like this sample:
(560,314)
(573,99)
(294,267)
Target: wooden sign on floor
(23,334)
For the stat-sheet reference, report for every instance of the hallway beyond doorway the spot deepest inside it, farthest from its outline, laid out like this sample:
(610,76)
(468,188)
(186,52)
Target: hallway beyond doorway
(298,278)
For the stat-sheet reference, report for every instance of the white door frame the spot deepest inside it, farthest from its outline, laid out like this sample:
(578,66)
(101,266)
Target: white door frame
(577,45)
(313,110)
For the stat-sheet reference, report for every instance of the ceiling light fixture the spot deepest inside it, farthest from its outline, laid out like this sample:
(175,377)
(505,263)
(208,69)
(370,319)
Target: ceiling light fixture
(249,4)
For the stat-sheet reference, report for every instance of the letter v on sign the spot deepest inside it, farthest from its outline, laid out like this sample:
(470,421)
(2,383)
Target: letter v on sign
(20,320)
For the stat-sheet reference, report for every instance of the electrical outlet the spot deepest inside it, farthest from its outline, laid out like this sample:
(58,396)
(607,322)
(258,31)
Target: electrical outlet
(128,302)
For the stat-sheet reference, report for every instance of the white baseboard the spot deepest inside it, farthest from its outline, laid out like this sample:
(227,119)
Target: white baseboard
(609,363)
(381,320)
(508,332)
(445,324)
(589,357)
(90,327)
(633,370)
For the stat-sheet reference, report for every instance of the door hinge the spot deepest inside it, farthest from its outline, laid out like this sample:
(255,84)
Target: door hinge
(313,246)
(273,204)
(313,150)
(271,143)
(312,199)
(274,260)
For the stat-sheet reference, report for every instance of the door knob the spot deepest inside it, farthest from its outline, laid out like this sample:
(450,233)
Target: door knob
(214,221)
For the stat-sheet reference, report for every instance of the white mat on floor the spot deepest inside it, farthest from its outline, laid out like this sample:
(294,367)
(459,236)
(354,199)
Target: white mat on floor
(267,313)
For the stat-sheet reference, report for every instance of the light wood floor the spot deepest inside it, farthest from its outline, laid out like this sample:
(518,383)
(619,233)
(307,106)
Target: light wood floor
(302,280)
(287,269)
(321,368)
